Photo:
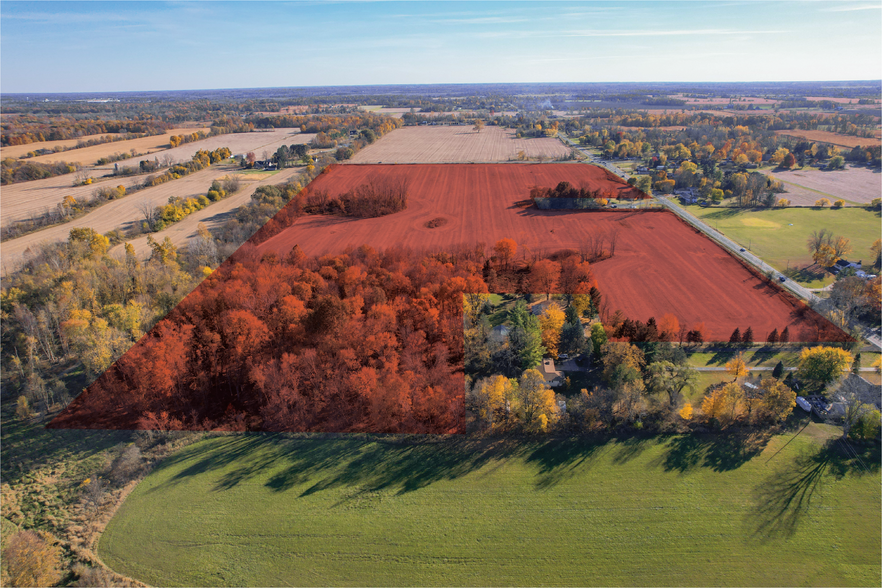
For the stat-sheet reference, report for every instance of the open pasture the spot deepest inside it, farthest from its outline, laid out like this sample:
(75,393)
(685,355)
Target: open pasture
(90,155)
(449,144)
(853,184)
(721,510)
(779,235)
(661,265)
(116,213)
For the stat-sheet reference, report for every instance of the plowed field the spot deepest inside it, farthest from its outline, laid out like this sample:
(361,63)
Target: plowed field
(832,138)
(90,155)
(450,144)
(660,264)
(116,213)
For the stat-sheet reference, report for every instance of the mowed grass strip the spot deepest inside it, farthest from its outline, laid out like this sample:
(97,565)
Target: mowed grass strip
(272,510)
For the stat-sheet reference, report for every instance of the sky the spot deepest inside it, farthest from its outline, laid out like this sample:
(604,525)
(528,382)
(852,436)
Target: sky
(142,46)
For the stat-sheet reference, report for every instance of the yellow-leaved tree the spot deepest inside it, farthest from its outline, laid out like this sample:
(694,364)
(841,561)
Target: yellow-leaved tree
(534,403)
(724,405)
(737,367)
(551,321)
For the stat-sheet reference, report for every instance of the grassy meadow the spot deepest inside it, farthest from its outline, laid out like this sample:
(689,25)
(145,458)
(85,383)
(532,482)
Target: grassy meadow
(779,235)
(718,510)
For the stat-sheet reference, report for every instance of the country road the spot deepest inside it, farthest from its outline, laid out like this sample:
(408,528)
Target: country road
(874,337)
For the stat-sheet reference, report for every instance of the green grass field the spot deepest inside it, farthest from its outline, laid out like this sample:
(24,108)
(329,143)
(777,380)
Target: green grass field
(769,233)
(721,510)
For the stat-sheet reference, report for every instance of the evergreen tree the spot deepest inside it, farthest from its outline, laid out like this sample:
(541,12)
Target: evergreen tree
(736,336)
(778,371)
(525,337)
(748,336)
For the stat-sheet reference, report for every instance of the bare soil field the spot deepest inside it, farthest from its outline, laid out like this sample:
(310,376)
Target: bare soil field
(448,144)
(26,199)
(853,184)
(832,138)
(116,213)
(257,141)
(16,151)
(661,265)
(90,155)
(213,215)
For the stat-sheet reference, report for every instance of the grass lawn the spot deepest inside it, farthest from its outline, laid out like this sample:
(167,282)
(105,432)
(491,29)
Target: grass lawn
(779,235)
(272,510)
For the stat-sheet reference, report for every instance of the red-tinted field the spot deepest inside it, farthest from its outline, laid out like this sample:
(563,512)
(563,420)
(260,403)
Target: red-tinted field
(661,265)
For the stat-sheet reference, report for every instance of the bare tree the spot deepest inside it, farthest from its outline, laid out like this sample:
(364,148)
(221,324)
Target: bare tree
(150,213)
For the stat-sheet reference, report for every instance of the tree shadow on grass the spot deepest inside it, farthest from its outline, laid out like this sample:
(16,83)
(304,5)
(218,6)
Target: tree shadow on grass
(786,497)
(721,452)
(558,459)
(371,463)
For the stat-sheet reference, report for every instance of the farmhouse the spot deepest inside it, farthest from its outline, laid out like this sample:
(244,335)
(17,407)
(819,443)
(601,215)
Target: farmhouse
(553,377)
(843,264)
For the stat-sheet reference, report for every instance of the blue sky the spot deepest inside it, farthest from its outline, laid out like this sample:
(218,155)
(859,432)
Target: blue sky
(128,46)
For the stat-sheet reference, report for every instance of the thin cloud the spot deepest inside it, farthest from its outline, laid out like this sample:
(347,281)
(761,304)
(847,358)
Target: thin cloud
(851,8)
(630,33)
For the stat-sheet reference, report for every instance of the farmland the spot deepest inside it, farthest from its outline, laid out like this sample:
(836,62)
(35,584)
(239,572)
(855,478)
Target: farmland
(117,213)
(660,264)
(91,155)
(832,138)
(779,235)
(269,510)
(16,151)
(853,184)
(25,199)
(212,215)
(447,144)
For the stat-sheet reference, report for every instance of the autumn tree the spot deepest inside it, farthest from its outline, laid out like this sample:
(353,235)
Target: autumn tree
(544,276)
(668,327)
(776,400)
(724,405)
(622,363)
(505,250)
(534,402)
(876,250)
(551,322)
(575,277)
(479,126)
(493,397)
(822,365)
(32,558)
(736,367)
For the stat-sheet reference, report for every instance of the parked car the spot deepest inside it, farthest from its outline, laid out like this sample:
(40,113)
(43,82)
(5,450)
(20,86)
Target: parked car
(563,356)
